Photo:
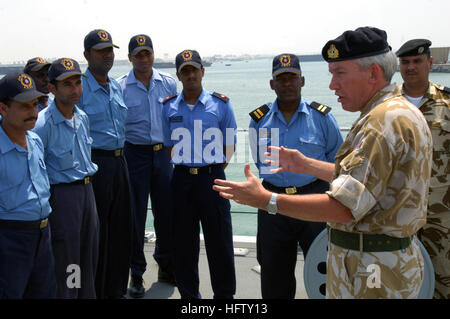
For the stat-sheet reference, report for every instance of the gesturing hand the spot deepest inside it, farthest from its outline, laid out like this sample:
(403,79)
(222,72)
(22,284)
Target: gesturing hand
(249,192)
(288,160)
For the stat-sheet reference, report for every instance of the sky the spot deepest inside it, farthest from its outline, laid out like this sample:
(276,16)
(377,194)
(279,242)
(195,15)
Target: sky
(55,28)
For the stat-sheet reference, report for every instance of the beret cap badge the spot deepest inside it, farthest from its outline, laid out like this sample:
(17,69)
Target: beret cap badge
(333,52)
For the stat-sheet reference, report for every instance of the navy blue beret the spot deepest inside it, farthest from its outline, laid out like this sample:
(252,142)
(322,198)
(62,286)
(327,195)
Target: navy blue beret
(361,43)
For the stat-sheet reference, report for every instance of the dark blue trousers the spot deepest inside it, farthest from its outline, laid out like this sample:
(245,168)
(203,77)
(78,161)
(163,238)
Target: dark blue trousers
(112,196)
(27,265)
(196,202)
(150,173)
(277,241)
(75,233)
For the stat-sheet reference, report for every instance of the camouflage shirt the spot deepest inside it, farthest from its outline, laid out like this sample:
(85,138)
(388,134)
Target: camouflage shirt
(383,168)
(435,106)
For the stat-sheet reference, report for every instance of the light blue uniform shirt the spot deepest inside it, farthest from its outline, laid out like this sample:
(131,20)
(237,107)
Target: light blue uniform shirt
(309,131)
(143,125)
(67,148)
(24,186)
(106,111)
(198,136)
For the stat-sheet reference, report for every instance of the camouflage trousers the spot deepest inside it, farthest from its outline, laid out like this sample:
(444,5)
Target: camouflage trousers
(370,275)
(435,236)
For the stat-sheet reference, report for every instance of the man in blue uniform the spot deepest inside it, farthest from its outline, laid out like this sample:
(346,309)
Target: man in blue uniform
(27,265)
(144,89)
(102,101)
(294,122)
(64,131)
(200,131)
(38,69)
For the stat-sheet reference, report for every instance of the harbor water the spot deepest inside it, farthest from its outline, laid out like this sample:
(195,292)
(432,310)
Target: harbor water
(246,83)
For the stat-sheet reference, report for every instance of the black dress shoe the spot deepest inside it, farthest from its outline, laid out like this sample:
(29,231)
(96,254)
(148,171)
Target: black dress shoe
(136,289)
(164,276)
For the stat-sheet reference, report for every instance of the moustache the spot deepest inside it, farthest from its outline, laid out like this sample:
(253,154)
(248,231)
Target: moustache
(33,118)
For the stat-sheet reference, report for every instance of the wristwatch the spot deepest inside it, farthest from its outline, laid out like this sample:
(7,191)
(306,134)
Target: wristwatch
(272,207)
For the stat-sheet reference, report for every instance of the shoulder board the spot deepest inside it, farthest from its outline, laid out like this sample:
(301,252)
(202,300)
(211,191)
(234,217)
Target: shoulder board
(258,113)
(320,108)
(167,99)
(221,97)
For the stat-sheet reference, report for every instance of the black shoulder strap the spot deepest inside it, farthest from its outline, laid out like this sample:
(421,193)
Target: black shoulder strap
(221,97)
(169,98)
(320,108)
(258,113)
(446,89)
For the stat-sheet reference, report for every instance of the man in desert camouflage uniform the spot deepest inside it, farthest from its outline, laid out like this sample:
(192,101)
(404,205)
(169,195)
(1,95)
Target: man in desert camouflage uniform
(434,102)
(375,205)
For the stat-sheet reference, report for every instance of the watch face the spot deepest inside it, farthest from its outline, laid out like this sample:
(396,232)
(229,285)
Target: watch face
(272,206)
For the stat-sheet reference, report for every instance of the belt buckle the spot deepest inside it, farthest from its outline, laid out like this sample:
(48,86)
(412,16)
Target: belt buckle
(193,170)
(291,190)
(44,223)
(157,147)
(118,152)
(87,180)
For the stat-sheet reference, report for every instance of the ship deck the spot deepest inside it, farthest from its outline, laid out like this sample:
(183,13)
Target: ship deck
(247,277)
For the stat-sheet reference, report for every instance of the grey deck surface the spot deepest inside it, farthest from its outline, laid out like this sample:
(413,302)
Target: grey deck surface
(247,280)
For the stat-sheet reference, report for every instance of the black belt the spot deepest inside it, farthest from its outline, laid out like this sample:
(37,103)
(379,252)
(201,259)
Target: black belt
(20,224)
(290,190)
(367,242)
(114,153)
(83,181)
(153,147)
(198,170)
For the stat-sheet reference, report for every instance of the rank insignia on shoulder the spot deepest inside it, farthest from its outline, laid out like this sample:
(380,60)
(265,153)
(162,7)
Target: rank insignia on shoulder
(258,113)
(221,97)
(321,108)
(167,99)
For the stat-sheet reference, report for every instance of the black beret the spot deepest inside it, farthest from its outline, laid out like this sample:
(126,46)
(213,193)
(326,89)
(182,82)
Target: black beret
(414,47)
(363,42)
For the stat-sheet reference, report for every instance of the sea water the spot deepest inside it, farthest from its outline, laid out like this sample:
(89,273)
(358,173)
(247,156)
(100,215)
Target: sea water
(246,83)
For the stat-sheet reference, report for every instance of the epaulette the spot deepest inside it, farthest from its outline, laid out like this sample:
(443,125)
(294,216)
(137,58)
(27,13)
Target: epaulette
(320,108)
(258,113)
(167,99)
(221,97)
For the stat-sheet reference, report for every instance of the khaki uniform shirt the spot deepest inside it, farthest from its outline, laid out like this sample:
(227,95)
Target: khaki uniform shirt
(382,175)
(435,106)
(435,235)
(383,168)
